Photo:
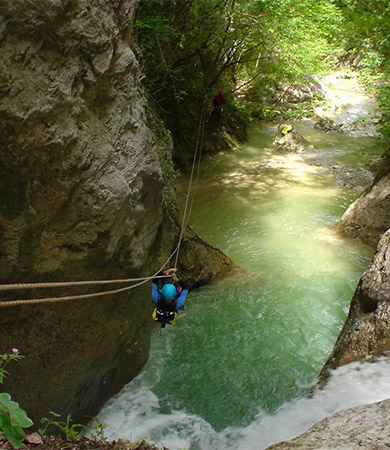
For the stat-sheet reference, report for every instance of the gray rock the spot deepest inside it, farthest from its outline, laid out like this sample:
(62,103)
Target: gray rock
(367,329)
(369,216)
(287,140)
(81,198)
(325,124)
(355,428)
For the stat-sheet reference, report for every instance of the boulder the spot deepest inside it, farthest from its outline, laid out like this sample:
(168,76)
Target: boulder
(325,124)
(366,331)
(369,216)
(355,428)
(287,140)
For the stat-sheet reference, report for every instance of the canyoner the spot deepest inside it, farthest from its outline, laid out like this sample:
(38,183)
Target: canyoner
(170,294)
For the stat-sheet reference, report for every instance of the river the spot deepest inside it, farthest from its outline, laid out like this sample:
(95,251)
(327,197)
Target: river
(234,371)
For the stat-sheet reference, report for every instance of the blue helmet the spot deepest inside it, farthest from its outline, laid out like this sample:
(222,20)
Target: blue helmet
(168,292)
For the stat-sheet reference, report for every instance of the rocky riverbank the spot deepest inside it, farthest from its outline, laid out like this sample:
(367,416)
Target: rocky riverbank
(369,216)
(288,140)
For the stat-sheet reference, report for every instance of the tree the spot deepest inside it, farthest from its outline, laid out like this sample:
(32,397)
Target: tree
(191,47)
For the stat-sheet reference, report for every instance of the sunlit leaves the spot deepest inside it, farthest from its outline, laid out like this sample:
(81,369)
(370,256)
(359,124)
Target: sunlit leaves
(367,39)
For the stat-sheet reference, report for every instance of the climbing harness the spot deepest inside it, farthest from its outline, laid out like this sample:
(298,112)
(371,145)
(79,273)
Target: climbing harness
(164,316)
(186,214)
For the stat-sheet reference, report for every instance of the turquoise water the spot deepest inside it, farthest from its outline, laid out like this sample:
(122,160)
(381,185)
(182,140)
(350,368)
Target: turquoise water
(261,337)
(255,341)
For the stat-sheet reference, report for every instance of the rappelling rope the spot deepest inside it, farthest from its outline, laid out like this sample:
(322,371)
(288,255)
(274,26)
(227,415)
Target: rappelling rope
(198,167)
(18,286)
(82,296)
(187,212)
(36,301)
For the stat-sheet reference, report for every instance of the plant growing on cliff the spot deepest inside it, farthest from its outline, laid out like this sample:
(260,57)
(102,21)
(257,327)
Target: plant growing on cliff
(69,429)
(12,417)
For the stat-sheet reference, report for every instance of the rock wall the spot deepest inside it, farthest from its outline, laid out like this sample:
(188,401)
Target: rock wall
(81,198)
(355,428)
(369,216)
(367,329)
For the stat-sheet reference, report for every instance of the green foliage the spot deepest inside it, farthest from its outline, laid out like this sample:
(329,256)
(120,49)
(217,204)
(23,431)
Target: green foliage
(384,102)
(366,38)
(12,417)
(98,430)
(5,360)
(12,420)
(303,110)
(192,47)
(164,147)
(66,427)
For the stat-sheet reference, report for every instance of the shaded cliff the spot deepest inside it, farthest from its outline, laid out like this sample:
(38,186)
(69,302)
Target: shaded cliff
(82,197)
(188,52)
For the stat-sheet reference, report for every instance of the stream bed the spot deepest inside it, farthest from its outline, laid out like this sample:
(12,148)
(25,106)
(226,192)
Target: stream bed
(233,372)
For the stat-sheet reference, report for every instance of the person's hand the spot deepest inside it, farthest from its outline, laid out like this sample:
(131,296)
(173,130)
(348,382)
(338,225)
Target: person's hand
(174,277)
(172,273)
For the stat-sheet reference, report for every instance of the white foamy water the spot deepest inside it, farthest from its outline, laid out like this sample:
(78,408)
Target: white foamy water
(135,413)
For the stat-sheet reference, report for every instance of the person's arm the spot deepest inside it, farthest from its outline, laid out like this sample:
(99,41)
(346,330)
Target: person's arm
(155,293)
(172,274)
(181,300)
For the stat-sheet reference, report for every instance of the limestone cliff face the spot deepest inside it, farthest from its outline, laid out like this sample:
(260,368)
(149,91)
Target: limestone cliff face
(80,198)
(78,170)
(369,216)
(367,328)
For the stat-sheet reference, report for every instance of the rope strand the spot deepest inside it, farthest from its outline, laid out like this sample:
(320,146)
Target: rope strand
(35,301)
(19,286)
(199,143)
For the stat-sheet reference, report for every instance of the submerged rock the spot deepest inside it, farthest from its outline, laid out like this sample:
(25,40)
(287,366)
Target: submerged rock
(197,257)
(364,127)
(325,124)
(287,140)
(358,128)
(355,428)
